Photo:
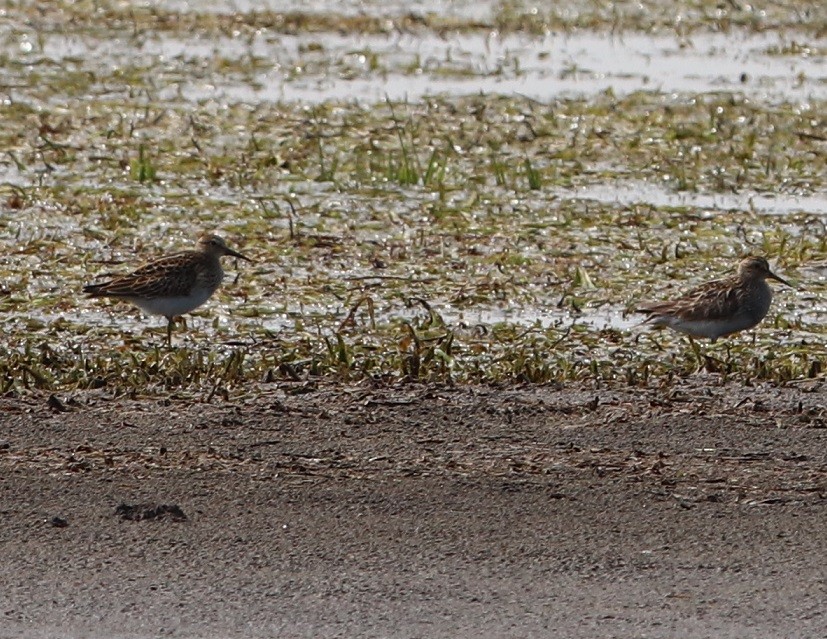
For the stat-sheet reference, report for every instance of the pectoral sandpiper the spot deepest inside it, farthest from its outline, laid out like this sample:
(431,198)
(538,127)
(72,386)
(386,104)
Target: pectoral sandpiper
(720,307)
(172,285)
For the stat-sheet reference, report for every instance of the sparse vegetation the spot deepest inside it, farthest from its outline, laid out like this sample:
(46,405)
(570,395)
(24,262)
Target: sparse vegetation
(461,238)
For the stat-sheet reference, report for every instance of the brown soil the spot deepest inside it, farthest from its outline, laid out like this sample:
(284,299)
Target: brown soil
(693,510)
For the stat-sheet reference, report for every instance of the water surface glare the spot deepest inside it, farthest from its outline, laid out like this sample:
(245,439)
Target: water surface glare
(636,192)
(271,67)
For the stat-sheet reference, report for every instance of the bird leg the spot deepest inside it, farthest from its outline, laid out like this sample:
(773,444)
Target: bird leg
(697,351)
(170,321)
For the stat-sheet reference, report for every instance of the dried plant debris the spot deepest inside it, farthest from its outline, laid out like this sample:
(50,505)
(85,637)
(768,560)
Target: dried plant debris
(143,512)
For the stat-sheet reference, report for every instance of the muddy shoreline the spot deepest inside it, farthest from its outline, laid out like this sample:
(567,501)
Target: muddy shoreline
(413,510)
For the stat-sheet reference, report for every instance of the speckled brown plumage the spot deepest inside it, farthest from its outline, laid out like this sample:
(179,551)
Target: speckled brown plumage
(172,285)
(720,307)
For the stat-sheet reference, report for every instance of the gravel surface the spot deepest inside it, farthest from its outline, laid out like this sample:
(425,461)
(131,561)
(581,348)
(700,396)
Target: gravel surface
(693,510)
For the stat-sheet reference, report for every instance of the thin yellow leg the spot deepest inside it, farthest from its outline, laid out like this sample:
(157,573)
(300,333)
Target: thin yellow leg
(697,350)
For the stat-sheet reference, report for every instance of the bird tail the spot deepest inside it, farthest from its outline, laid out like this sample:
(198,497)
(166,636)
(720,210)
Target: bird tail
(94,290)
(651,311)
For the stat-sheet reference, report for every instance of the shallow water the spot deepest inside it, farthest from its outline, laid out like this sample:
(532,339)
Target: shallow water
(636,192)
(311,68)
(461,8)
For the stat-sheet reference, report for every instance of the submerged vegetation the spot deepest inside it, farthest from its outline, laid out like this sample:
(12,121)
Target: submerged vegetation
(454,237)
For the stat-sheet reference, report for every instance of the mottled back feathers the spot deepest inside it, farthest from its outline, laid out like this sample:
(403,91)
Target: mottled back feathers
(720,307)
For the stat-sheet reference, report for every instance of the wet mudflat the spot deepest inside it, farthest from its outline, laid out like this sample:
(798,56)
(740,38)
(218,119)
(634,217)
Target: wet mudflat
(529,174)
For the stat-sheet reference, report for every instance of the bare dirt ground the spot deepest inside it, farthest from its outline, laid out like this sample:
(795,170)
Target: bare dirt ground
(692,510)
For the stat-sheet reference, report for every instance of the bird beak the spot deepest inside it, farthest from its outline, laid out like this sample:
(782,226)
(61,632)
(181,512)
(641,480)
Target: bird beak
(772,275)
(230,251)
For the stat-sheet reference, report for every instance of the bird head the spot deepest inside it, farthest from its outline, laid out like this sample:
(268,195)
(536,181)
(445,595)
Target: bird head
(215,245)
(758,268)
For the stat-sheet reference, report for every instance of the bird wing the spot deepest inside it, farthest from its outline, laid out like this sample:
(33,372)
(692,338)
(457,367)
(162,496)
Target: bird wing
(712,301)
(165,277)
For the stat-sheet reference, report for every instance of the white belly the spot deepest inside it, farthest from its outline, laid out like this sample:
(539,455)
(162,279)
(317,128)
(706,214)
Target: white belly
(713,329)
(172,306)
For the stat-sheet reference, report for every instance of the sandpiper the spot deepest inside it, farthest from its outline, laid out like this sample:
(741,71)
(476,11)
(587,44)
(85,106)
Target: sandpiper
(720,307)
(172,285)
